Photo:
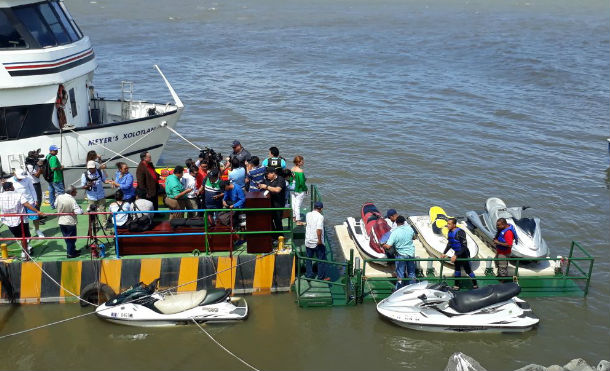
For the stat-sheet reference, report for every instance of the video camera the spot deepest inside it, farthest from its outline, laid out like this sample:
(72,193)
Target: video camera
(34,157)
(210,157)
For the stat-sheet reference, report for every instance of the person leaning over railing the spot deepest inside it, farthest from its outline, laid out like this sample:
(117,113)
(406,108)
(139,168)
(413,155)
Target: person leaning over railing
(65,203)
(12,202)
(175,193)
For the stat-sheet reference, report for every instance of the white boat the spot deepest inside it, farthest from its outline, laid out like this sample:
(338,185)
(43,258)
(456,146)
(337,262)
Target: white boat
(143,306)
(47,96)
(433,307)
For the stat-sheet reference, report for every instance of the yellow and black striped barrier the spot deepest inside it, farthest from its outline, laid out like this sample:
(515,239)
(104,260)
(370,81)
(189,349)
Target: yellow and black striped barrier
(25,282)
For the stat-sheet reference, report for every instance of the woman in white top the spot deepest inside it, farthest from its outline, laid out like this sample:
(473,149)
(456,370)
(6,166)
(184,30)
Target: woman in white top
(120,205)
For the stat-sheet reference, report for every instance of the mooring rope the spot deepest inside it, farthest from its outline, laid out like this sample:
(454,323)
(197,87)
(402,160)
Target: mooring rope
(224,348)
(108,149)
(93,312)
(183,138)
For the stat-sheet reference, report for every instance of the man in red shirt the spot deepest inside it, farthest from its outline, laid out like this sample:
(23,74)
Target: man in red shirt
(505,237)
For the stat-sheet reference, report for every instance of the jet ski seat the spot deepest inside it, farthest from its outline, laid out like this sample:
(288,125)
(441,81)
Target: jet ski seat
(464,302)
(180,302)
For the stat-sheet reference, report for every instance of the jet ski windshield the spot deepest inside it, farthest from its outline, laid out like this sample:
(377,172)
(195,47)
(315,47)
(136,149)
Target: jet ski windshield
(464,302)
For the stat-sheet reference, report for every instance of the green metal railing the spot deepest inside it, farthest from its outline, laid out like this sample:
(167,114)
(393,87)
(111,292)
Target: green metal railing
(571,260)
(346,283)
(205,233)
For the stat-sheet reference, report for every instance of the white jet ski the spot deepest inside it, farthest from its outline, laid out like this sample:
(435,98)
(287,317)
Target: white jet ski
(143,306)
(435,239)
(369,233)
(530,243)
(433,307)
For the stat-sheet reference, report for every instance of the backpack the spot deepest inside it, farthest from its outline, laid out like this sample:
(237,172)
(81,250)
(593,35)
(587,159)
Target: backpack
(47,173)
(141,223)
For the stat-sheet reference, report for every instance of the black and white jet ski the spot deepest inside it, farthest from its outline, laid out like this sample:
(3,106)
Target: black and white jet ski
(530,243)
(143,306)
(433,307)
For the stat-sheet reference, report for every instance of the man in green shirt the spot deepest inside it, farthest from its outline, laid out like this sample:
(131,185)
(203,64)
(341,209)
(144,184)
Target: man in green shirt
(175,194)
(56,184)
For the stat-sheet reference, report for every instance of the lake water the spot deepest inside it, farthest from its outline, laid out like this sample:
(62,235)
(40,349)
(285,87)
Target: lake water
(406,103)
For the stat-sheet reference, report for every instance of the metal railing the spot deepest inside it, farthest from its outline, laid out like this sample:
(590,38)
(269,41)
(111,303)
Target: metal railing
(206,226)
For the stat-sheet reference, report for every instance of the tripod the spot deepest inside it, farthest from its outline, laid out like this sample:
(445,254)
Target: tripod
(93,240)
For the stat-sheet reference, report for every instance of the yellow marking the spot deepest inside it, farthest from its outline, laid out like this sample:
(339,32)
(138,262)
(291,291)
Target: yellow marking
(294,268)
(110,274)
(225,277)
(70,279)
(31,278)
(150,269)
(263,275)
(189,268)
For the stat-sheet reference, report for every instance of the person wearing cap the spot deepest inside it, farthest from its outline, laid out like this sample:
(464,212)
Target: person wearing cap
(23,184)
(314,241)
(390,217)
(175,193)
(92,181)
(12,202)
(402,241)
(148,179)
(275,185)
(240,153)
(56,184)
(66,204)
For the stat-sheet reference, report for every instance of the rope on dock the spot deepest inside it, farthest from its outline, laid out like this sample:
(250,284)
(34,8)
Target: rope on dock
(223,348)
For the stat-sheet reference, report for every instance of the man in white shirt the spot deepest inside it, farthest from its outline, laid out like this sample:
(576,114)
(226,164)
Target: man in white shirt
(314,241)
(65,203)
(12,202)
(23,184)
(390,217)
(188,181)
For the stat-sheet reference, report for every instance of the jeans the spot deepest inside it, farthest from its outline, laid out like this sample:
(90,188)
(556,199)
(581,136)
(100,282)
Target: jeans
(319,252)
(403,267)
(69,231)
(55,189)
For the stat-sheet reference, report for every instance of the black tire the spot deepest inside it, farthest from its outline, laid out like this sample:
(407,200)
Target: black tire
(96,293)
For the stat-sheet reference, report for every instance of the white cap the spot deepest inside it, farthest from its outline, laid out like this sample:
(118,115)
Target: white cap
(91,165)
(20,174)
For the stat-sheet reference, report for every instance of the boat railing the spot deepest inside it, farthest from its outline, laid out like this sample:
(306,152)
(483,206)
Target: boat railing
(559,273)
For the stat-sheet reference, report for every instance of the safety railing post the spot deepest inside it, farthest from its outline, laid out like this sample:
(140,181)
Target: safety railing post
(205,230)
(116,239)
(570,258)
(24,243)
(589,275)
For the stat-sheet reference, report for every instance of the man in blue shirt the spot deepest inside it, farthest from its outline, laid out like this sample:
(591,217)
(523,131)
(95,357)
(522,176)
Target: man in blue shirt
(256,174)
(234,198)
(402,240)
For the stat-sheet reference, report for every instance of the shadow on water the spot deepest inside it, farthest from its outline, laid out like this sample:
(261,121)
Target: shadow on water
(6,317)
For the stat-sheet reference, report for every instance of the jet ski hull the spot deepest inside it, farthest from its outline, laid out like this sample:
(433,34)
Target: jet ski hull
(358,234)
(422,307)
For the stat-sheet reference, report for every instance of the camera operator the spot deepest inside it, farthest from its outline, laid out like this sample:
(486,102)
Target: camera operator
(92,181)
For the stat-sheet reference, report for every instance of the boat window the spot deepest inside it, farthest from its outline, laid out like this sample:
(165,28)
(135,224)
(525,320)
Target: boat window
(49,16)
(72,102)
(65,22)
(29,16)
(20,122)
(67,13)
(9,36)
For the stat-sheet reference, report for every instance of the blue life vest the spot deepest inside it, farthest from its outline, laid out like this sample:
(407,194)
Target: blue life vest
(454,243)
(500,236)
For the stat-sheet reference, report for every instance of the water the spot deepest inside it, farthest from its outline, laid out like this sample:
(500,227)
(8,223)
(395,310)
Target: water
(406,103)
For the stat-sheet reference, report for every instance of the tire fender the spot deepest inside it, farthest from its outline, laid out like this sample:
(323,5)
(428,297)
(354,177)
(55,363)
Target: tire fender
(96,293)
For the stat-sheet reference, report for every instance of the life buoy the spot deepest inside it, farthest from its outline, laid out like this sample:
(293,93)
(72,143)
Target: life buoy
(60,103)
(96,293)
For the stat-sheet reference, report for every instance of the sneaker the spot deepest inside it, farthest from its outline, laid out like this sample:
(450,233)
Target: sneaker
(39,233)
(326,279)
(475,287)
(76,254)
(456,288)
(30,249)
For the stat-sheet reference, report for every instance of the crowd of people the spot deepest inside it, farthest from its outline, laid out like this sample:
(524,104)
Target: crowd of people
(210,182)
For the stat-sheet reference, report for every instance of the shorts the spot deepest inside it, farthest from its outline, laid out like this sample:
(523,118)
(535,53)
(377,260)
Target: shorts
(34,216)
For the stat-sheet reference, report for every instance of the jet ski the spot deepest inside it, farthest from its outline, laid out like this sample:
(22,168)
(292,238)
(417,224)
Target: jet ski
(433,307)
(143,306)
(370,232)
(433,231)
(529,244)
